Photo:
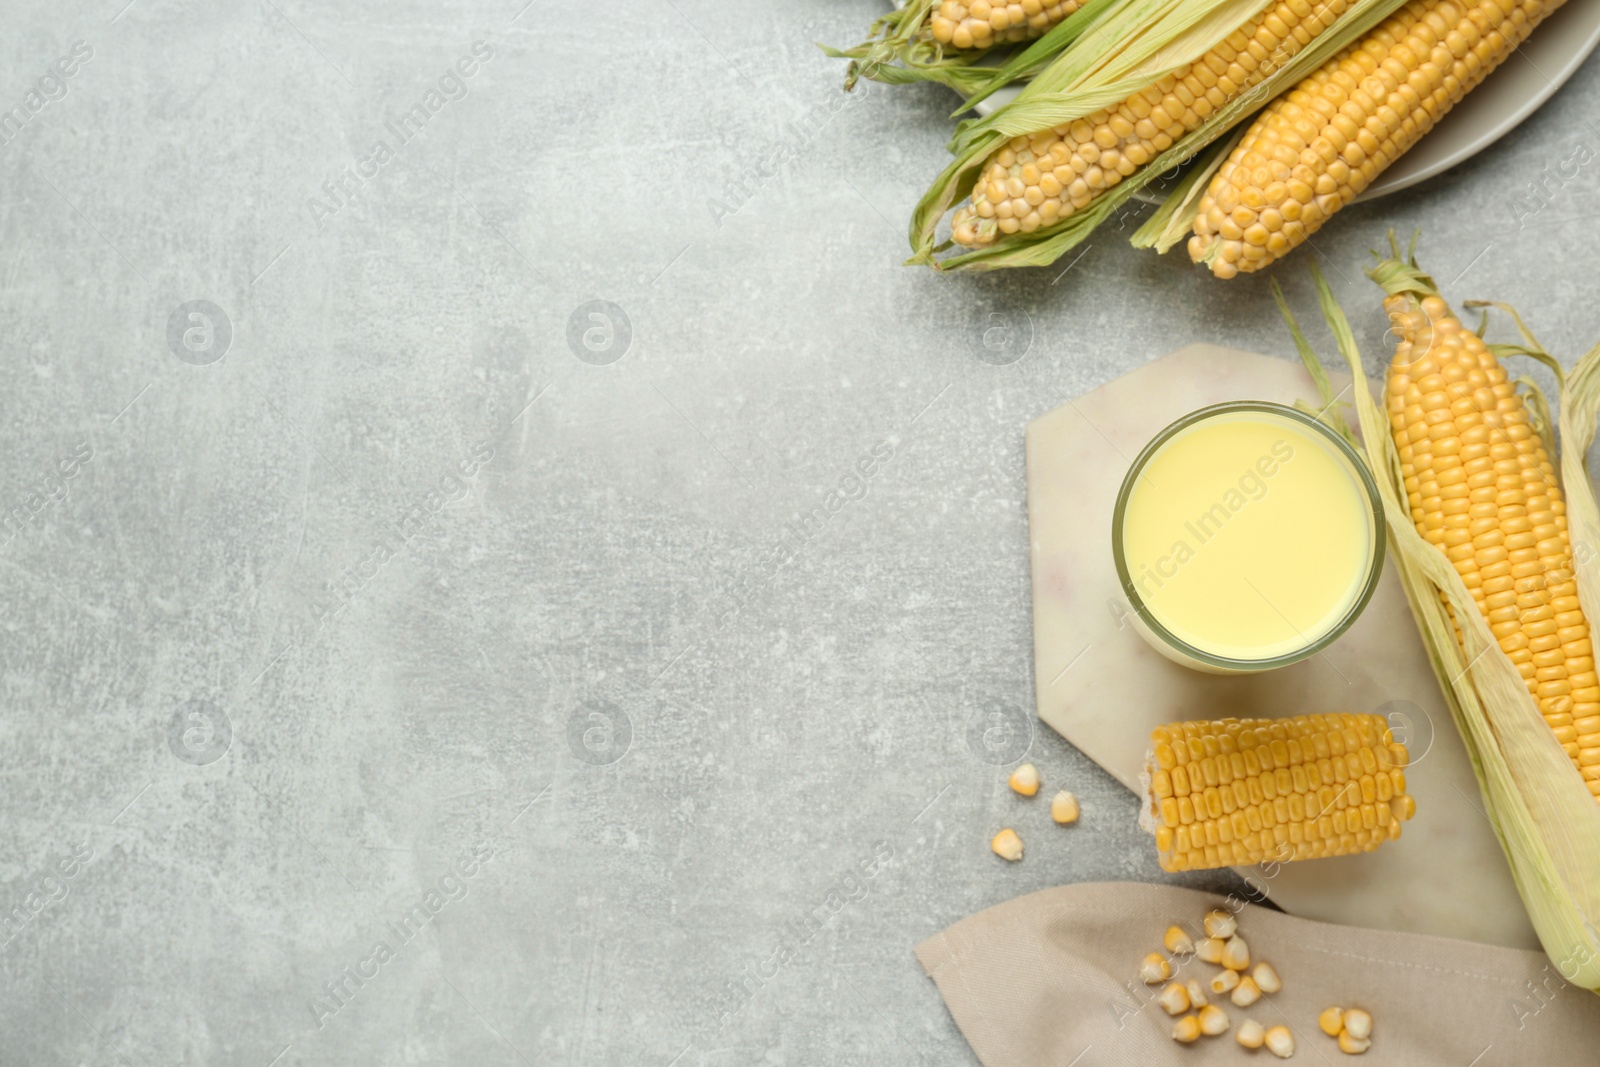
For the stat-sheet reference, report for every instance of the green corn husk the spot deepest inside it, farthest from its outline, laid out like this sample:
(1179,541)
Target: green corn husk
(900,50)
(1172,218)
(1130,47)
(1547,822)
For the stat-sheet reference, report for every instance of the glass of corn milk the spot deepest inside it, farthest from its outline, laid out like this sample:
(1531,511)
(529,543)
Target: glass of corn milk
(1247,536)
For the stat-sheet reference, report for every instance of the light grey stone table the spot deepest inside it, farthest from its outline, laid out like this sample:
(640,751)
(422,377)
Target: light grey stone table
(361,587)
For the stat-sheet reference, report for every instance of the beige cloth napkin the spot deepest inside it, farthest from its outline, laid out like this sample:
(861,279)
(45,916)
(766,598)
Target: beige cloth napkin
(1052,979)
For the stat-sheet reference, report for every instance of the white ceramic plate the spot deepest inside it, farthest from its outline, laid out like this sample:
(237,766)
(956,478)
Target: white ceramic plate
(1509,95)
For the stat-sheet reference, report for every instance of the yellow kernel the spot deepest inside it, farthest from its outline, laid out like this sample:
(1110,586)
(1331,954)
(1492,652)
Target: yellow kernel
(1007,845)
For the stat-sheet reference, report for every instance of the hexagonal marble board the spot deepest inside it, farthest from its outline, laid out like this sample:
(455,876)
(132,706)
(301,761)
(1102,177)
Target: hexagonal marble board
(1103,689)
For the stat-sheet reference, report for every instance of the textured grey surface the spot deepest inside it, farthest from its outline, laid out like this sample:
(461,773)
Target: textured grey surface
(612,658)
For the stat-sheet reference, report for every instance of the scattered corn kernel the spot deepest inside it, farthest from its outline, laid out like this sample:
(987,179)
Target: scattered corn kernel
(1223,981)
(1246,992)
(1064,808)
(1186,1029)
(1250,1034)
(1178,941)
(1155,969)
(1025,780)
(1358,1024)
(1197,994)
(1267,979)
(1007,845)
(1351,1045)
(1332,1021)
(1213,1020)
(1221,924)
(1208,950)
(1279,1042)
(1174,998)
(1235,954)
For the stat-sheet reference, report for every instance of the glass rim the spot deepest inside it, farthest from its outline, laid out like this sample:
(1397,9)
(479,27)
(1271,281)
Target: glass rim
(1374,562)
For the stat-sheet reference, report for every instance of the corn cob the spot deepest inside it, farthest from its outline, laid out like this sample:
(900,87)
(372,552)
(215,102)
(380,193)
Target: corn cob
(1547,825)
(1243,791)
(1482,489)
(1035,180)
(948,41)
(1317,147)
(983,24)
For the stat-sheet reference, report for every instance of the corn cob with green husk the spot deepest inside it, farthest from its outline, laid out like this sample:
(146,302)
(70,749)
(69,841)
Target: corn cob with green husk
(946,40)
(1482,489)
(1319,146)
(1541,808)
(1142,86)
(1037,179)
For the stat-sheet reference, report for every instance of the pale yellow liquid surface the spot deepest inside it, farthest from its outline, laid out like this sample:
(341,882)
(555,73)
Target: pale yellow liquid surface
(1248,536)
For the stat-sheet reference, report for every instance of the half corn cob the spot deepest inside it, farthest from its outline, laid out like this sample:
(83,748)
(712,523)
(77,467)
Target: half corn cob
(1481,487)
(1319,146)
(1036,179)
(1243,791)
